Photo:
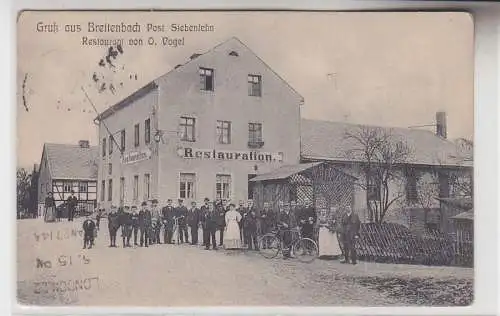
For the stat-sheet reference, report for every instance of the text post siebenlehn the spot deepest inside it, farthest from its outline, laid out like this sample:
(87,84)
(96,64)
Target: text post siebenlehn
(131,34)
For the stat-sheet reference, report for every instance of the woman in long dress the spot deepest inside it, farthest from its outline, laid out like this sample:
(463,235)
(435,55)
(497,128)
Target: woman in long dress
(232,231)
(329,247)
(50,208)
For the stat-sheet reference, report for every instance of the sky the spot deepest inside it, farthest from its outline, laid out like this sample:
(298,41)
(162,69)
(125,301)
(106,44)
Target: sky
(387,69)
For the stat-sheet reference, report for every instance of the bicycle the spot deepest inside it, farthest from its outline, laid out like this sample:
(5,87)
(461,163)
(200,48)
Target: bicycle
(304,249)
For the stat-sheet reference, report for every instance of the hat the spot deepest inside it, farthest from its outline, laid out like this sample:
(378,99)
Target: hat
(126,206)
(193,202)
(180,200)
(169,200)
(154,201)
(206,200)
(134,207)
(144,204)
(72,191)
(232,205)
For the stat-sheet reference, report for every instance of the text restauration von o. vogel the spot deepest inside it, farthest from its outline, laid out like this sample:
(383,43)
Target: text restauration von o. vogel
(122,27)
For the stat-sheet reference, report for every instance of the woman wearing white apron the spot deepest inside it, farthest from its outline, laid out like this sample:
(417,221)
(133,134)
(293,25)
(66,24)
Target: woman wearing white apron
(232,234)
(328,243)
(50,209)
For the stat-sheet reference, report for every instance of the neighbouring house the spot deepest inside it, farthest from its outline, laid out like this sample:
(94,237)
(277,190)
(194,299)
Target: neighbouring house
(65,168)
(428,167)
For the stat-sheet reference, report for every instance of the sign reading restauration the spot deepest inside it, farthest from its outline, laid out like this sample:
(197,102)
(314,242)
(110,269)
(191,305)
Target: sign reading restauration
(215,154)
(136,156)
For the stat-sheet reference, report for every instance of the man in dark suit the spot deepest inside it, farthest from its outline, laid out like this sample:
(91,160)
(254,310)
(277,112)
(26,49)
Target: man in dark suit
(113,225)
(220,210)
(267,220)
(288,223)
(181,212)
(126,224)
(145,225)
(243,212)
(167,214)
(307,220)
(135,223)
(209,222)
(203,210)
(72,204)
(350,233)
(193,220)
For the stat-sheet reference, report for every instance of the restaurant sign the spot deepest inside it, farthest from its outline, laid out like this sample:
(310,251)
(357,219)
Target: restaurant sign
(136,156)
(216,154)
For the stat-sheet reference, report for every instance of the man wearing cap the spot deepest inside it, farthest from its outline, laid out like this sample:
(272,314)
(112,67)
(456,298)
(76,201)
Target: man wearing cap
(220,210)
(167,216)
(288,222)
(350,234)
(72,202)
(267,219)
(88,232)
(193,220)
(156,221)
(209,222)
(126,223)
(135,223)
(113,225)
(204,210)
(145,225)
(243,212)
(181,213)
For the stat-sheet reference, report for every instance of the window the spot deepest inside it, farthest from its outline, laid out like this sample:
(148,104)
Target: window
(111,145)
(207,79)
(66,187)
(83,187)
(254,85)
(444,184)
(224,132)
(254,133)
(110,189)
(136,188)
(186,186)
(104,147)
(103,189)
(136,135)
(122,190)
(110,168)
(373,189)
(147,131)
(223,186)
(411,186)
(187,127)
(147,180)
(122,140)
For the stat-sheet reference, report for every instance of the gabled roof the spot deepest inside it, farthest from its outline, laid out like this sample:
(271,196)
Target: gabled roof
(231,44)
(327,140)
(72,162)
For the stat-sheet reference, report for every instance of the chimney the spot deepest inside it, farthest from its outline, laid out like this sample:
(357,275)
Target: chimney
(441,124)
(83,143)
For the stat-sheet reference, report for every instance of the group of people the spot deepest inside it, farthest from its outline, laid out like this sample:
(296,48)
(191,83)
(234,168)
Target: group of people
(237,226)
(53,214)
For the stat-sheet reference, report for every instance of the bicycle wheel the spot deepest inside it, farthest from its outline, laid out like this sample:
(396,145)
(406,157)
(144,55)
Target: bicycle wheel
(305,249)
(269,246)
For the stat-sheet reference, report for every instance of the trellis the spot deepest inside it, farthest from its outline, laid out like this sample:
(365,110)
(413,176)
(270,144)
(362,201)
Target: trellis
(321,183)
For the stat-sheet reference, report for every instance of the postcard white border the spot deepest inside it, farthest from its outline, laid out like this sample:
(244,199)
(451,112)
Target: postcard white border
(487,89)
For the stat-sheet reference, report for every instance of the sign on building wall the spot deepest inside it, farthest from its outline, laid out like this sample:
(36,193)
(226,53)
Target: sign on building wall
(216,154)
(136,156)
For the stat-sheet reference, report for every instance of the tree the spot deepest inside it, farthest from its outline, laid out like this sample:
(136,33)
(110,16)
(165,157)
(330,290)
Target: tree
(463,182)
(381,155)
(23,180)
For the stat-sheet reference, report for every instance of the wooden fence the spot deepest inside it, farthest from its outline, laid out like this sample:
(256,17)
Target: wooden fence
(394,243)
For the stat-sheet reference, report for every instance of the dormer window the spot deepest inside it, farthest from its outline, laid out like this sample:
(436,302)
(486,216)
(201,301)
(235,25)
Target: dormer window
(233,53)
(207,79)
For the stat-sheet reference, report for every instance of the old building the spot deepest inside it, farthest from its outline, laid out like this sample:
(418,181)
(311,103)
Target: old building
(65,168)
(432,167)
(201,130)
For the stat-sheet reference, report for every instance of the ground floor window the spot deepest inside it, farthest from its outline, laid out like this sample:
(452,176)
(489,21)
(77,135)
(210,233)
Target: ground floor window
(223,186)
(110,189)
(186,186)
(147,181)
